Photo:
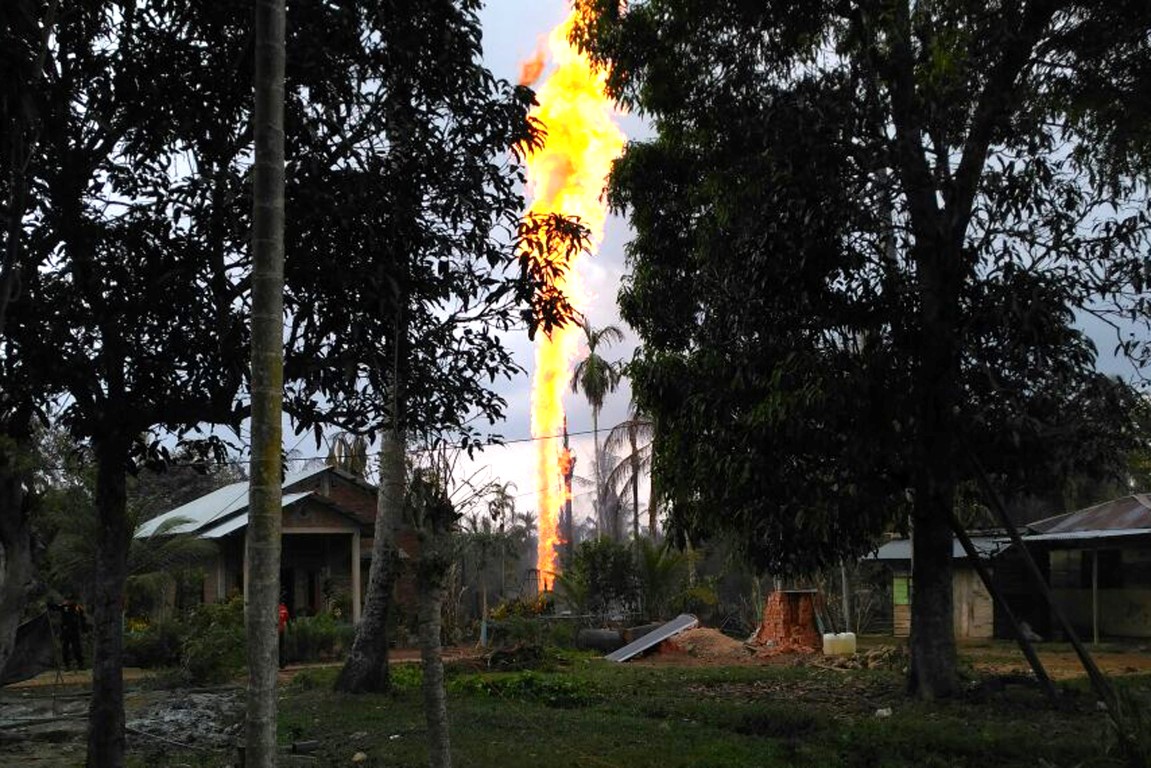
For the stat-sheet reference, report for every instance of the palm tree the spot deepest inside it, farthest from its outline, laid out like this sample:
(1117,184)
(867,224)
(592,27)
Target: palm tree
(636,437)
(154,561)
(263,539)
(349,453)
(596,377)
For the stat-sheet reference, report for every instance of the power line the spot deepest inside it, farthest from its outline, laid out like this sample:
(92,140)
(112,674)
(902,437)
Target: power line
(494,441)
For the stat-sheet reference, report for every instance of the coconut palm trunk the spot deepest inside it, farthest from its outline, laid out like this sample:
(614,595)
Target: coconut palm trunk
(431,589)
(263,533)
(634,459)
(366,668)
(600,512)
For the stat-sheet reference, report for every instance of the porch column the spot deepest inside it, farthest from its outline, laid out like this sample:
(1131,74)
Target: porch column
(1095,595)
(245,590)
(357,597)
(221,579)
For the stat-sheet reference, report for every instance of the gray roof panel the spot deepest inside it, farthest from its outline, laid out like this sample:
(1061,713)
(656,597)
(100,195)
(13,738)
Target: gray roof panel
(900,549)
(215,507)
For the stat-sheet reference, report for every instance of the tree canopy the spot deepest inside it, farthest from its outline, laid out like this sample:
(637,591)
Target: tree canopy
(866,234)
(426,261)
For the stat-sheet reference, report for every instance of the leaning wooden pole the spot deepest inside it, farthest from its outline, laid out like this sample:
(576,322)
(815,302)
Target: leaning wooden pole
(997,596)
(264,510)
(1099,682)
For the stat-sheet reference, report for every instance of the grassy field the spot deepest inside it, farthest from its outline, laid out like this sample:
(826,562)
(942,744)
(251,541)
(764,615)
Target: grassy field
(581,711)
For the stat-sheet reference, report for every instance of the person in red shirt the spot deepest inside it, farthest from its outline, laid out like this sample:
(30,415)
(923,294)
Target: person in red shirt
(281,627)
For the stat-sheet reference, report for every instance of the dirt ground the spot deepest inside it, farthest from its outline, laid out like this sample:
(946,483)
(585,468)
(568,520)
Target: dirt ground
(709,647)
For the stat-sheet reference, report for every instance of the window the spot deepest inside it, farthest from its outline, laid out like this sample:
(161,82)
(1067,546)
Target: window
(901,590)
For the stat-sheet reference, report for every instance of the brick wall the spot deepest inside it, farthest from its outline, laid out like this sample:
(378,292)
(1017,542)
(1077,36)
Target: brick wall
(789,622)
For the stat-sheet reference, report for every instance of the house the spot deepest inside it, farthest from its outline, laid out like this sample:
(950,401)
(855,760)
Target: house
(326,545)
(973,612)
(1098,565)
(1096,561)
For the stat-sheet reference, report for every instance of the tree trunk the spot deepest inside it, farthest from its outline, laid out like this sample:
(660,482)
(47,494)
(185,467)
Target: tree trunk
(600,512)
(366,668)
(264,510)
(932,673)
(652,494)
(431,589)
(15,544)
(106,710)
(634,484)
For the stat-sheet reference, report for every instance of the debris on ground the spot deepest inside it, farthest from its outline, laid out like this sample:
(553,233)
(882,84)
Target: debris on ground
(881,657)
(200,720)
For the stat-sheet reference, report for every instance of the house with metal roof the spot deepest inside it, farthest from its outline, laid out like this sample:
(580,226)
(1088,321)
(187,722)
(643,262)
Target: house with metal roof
(1099,565)
(973,611)
(326,539)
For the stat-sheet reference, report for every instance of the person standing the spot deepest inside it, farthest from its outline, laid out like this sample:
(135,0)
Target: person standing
(281,629)
(73,623)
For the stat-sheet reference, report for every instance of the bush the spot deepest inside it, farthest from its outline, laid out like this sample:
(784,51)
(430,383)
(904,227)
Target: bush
(542,632)
(527,686)
(154,645)
(601,580)
(214,648)
(316,638)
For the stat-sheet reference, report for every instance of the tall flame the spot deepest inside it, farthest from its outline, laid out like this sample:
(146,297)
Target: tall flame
(567,176)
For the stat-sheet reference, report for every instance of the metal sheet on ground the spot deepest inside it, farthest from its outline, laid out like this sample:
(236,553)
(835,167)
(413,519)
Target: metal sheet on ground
(681,623)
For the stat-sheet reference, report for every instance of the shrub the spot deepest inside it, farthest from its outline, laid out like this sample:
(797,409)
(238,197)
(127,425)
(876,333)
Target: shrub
(316,638)
(214,648)
(526,686)
(154,645)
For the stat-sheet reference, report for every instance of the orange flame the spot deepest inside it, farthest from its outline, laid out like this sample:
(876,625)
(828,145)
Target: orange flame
(566,176)
(531,69)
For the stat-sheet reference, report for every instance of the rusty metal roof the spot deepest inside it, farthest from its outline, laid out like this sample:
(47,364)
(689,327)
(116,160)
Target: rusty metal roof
(1128,513)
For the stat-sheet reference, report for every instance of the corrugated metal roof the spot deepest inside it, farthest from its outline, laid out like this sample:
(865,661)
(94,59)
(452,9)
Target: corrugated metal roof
(215,507)
(1088,535)
(240,520)
(1123,514)
(900,549)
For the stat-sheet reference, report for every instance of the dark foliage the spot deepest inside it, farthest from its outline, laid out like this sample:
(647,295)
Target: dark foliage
(866,235)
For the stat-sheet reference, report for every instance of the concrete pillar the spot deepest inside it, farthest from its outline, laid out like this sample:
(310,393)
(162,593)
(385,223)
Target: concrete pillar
(357,590)
(245,591)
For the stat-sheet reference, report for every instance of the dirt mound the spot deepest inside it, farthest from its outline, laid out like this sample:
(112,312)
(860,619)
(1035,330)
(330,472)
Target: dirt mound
(707,645)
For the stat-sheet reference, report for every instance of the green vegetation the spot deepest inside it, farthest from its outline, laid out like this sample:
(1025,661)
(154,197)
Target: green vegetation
(206,645)
(580,711)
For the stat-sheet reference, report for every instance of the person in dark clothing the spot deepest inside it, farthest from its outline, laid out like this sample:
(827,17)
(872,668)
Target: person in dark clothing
(73,622)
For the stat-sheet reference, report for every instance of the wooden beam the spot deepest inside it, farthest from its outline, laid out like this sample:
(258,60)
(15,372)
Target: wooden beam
(997,597)
(1100,683)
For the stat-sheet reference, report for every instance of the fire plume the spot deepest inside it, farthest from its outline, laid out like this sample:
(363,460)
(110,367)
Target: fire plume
(566,176)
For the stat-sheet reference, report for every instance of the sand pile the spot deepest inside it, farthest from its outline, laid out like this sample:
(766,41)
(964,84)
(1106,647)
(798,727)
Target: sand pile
(708,645)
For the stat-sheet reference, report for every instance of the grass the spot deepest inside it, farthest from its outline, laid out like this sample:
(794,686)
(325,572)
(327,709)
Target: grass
(582,712)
